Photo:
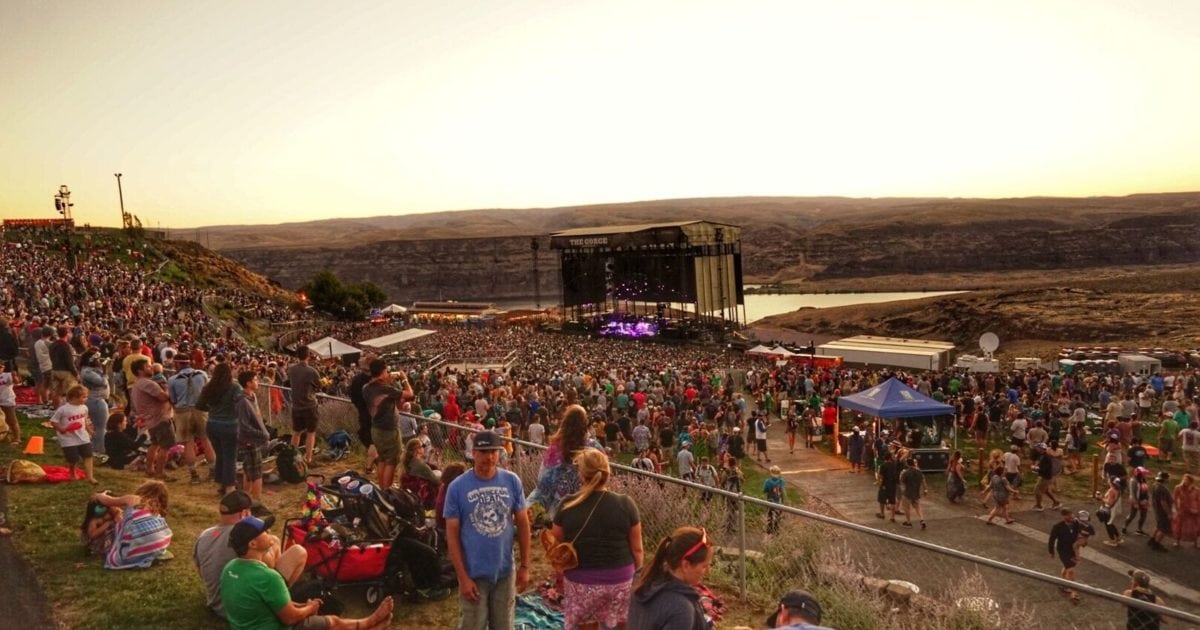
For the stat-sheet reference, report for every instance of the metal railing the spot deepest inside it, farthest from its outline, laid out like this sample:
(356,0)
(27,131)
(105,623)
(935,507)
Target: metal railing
(838,560)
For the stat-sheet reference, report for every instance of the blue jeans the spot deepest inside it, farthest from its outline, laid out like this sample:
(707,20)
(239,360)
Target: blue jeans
(496,606)
(98,412)
(223,436)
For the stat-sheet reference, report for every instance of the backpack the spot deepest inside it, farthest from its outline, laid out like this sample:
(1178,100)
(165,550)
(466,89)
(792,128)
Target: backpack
(187,394)
(290,464)
(339,444)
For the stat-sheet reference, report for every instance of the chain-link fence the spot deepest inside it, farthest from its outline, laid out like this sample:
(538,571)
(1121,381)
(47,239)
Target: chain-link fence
(864,577)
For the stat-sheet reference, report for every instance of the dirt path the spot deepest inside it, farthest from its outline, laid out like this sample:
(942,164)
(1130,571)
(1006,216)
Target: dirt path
(24,604)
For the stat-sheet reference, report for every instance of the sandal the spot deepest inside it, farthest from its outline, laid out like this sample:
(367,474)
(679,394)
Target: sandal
(1010,522)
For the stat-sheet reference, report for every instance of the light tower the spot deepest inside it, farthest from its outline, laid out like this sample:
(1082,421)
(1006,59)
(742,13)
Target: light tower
(62,203)
(121,197)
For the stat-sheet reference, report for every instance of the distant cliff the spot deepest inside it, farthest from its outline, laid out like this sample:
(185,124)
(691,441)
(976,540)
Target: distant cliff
(462,269)
(486,254)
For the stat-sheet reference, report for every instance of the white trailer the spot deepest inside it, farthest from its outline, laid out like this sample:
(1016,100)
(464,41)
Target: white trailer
(891,357)
(1139,364)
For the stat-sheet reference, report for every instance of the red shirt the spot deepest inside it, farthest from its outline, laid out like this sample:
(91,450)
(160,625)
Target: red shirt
(829,415)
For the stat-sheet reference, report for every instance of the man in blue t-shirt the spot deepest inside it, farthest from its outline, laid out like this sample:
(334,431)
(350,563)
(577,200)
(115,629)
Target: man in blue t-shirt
(482,507)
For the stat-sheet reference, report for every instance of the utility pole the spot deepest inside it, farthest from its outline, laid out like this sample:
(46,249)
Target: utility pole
(121,196)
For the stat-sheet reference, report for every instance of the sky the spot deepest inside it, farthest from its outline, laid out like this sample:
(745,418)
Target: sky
(266,112)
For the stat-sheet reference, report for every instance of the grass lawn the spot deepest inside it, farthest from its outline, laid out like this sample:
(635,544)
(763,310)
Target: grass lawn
(46,520)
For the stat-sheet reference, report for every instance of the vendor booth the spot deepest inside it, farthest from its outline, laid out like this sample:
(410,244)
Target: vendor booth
(903,410)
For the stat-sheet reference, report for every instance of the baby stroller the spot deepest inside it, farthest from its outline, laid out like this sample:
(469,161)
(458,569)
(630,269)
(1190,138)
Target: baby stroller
(356,535)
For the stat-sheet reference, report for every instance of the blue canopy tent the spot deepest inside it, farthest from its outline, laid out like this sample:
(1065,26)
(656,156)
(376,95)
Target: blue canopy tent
(894,399)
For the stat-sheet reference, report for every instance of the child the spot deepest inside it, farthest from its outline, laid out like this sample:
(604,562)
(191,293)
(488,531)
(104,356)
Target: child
(141,530)
(773,489)
(450,473)
(1084,529)
(708,476)
(97,528)
(73,425)
(8,405)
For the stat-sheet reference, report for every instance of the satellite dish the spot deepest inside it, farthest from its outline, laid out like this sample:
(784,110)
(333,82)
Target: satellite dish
(988,342)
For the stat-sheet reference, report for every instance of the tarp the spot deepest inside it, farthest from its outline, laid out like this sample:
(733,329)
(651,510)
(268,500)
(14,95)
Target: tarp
(397,338)
(394,309)
(894,399)
(328,348)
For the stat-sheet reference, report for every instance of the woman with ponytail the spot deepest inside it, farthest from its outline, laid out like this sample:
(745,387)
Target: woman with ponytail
(606,531)
(665,597)
(558,478)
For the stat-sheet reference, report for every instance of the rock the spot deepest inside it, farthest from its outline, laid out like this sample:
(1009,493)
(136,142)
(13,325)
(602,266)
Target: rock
(901,592)
(733,553)
(874,584)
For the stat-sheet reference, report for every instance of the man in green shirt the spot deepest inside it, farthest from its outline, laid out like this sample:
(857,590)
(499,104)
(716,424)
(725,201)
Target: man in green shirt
(256,597)
(1167,433)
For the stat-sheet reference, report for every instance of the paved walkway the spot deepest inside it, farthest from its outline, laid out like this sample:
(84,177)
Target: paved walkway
(22,603)
(853,497)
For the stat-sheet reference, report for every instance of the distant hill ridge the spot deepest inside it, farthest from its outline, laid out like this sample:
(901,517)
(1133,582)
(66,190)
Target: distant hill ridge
(485,254)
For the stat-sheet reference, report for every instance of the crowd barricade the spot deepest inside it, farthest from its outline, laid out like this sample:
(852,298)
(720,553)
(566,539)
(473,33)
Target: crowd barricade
(892,580)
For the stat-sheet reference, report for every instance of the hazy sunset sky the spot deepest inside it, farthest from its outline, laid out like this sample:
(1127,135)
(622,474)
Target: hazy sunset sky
(266,112)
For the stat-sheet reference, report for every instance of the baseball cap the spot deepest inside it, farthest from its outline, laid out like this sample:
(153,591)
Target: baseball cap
(1162,475)
(487,441)
(247,530)
(798,600)
(1141,578)
(235,502)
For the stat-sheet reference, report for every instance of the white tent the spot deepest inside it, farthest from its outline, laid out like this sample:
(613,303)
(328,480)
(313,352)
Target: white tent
(759,349)
(394,309)
(781,351)
(328,348)
(397,338)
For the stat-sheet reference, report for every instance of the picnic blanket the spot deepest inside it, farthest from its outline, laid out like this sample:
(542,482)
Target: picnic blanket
(26,396)
(25,471)
(534,614)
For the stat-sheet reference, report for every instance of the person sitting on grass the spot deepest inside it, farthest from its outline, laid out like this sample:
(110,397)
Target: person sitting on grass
(122,449)
(141,534)
(212,551)
(256,596)
(416,475)
(73,427)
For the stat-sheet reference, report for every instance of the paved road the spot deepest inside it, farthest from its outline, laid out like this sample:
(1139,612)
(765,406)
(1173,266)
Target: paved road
(852,496)
(23,604)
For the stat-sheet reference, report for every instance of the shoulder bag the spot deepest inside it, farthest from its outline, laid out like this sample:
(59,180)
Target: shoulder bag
(562,555)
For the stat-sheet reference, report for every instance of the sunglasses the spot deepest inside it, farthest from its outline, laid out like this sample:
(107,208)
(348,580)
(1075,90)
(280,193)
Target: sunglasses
(696,547)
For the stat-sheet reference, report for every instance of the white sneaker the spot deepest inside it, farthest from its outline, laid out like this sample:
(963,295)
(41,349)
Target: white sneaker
(1038,508)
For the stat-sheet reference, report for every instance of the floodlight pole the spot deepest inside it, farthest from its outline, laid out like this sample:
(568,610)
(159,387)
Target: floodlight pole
(121,197)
